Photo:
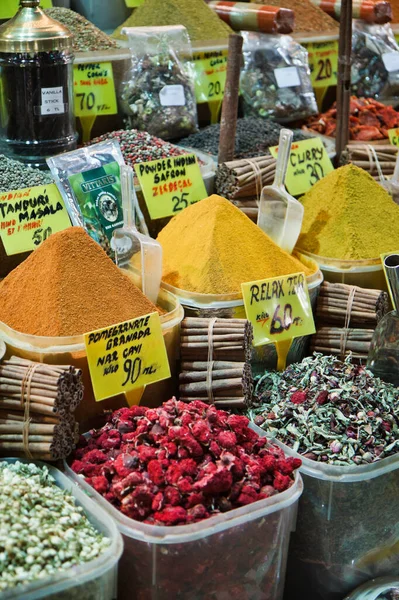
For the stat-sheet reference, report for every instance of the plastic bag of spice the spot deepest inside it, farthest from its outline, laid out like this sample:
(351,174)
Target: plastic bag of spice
(158,94)
(89,180)
(275,81)
(375,62)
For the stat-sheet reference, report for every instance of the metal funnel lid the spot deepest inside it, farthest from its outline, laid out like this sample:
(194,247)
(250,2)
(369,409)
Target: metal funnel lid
(31,30)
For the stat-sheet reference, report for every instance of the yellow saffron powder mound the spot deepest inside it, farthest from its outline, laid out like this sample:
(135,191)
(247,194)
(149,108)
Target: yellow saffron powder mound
(349,216)
(212,247)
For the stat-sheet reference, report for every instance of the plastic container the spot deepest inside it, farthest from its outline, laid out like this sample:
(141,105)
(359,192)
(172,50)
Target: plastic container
(71,350)
(95,580)
(363,273)
(346,529)
(383,588)
(232,306)
(236,555)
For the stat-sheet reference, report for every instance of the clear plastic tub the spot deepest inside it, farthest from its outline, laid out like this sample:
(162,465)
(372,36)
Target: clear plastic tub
(237,555)
(95,580)
(347,528)
(232,306)
(363,273)
(71,350)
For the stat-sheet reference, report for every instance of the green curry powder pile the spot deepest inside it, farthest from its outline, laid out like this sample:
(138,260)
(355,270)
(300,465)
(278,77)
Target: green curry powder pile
(349,216)
(199,20)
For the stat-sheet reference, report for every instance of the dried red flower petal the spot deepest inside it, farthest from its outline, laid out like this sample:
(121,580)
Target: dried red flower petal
(298,397)
(155,472)
(281,482)
(227,439)
(171,515)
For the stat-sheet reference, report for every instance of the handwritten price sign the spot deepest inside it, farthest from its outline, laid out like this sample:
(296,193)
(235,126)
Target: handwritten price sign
(323,63)
(309,162)
(393,135)
(210,75)
(126,356)
(29,216)
(94,90)
(278,308)
(169,185)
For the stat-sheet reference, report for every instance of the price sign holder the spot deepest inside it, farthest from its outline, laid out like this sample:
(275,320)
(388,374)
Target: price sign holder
(210,75)
(279,310)
(169,185)
(126,357)
(323,63)
(94,91)
(308,163)
(29,216)
(393,135)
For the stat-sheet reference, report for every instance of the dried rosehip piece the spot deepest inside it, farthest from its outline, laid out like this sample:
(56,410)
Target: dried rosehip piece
(181,463)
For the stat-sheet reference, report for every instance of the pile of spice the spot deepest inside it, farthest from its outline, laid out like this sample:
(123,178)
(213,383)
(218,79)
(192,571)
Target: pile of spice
(329,411)
(86,36)
(308,17)
(68,286)
(253,138)
(350,216)
(199,20)
(140,146)
(218,249)
(14,175)
(369,120)
(42,530)
(181,463)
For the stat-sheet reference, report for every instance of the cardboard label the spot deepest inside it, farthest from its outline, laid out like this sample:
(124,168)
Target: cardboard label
(210,75)
(309,162)
(323,63)
(94,89)
(29,216)
(279,308)
(53,101)
(393,135)
(287,77)
(8,8)
(171,184)
(126,356)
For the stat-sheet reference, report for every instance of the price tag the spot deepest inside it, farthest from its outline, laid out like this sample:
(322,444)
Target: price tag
(94,89)
(309,162)
(393,135)
(126,356)
(171,184)
(8,8)
(391,61)
(279,308)
(210,75)
(29,216)
(323,63)
(287,77)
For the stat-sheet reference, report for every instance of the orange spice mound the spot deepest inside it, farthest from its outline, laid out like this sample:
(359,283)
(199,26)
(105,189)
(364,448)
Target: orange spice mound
(68,286)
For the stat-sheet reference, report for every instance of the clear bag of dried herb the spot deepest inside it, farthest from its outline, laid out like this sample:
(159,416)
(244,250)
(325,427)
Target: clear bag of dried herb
(158,92)
(275,81)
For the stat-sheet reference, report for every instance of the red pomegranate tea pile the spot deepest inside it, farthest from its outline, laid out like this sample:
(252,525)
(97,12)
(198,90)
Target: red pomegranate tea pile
(181,463)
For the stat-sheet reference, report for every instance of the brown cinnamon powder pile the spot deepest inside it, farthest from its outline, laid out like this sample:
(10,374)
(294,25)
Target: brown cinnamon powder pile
(69,286)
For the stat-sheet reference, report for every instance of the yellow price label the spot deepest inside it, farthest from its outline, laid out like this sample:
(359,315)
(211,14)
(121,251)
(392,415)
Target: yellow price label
(133,3)
(126,356)
(171,184)
(94,89)
(279,308)
(393,135)
(210,75)
(308,163)
(8,8)
(323,63)
(29,216)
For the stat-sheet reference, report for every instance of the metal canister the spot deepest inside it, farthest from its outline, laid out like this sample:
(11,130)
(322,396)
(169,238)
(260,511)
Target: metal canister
(36,86)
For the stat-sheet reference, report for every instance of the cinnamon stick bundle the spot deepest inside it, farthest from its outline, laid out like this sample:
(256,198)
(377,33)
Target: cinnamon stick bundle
(243,179)
(37,405)
(231,339)
(366,308)
(341,342)
(361,156)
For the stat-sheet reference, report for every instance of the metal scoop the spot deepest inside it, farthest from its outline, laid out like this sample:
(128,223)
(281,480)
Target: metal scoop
(280,215)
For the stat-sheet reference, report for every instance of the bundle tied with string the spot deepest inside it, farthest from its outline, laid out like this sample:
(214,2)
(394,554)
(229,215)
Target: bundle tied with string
(241,181)
(346,318)
(37,405)
(379,161)
(215,365)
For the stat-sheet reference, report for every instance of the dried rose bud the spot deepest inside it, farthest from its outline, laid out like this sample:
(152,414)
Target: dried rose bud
(336,447)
